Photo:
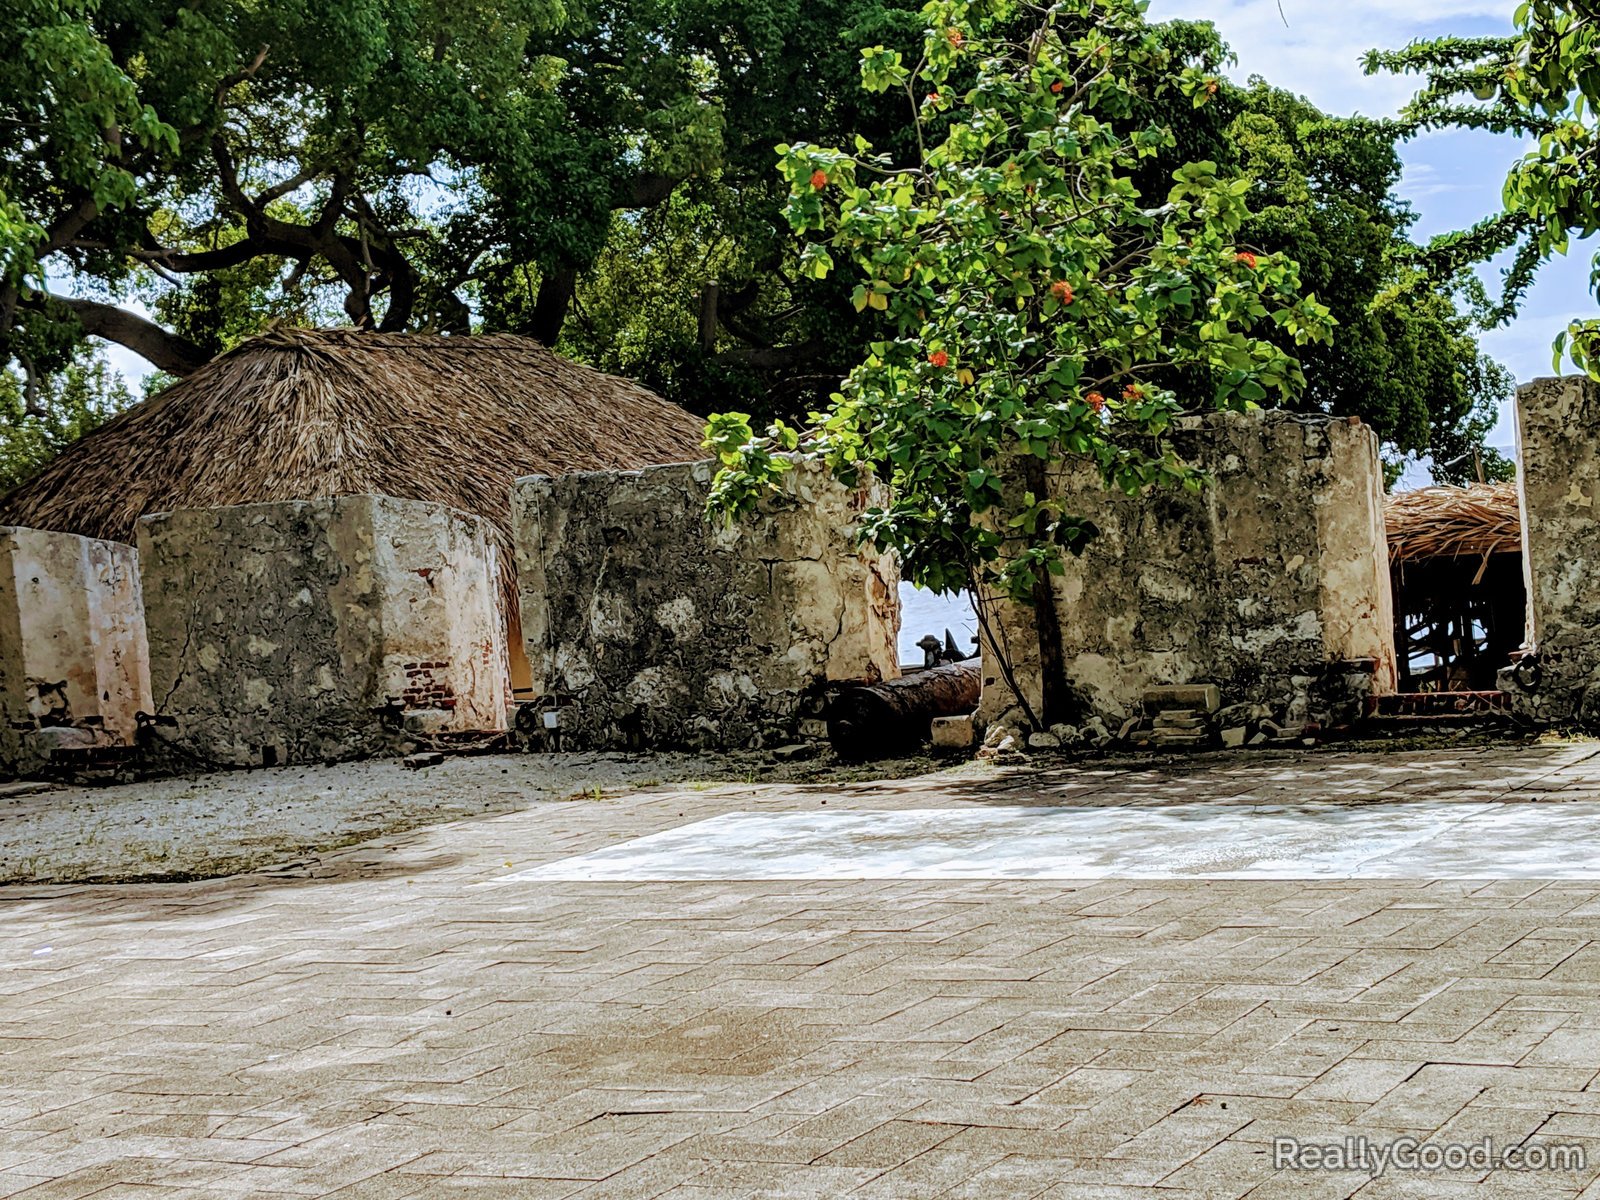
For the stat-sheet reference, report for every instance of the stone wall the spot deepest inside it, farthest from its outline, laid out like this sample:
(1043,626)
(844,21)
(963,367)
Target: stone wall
(322,629)
(648,626)
(74,666)
(1271,581)
(1558,485)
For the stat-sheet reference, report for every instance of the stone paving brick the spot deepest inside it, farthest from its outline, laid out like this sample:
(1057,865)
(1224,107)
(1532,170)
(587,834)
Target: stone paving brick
(396,1021)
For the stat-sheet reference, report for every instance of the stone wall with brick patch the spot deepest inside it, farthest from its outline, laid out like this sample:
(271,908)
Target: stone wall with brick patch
(74,664)
(648,626)
(1558,487)
(321,629)
(1271,581)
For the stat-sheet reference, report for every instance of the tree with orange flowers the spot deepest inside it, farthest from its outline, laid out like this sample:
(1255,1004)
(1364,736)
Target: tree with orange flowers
(1038,306)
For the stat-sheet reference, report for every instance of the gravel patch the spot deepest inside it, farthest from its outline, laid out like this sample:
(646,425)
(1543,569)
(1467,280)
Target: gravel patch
(224,824)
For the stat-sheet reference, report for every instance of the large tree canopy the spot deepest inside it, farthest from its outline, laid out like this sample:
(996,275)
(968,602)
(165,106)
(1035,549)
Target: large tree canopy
(1406,359)
(375,156)
(700,297)
(179,173)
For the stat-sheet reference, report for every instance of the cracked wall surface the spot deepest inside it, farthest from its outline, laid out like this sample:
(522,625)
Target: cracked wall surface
(313,630)
(1558,486)
(74,664)
(651,627)
(1272,581)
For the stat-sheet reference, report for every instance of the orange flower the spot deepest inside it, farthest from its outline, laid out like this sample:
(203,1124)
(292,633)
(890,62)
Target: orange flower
(1095,401)
(933,97)
(1062,291)
(939,358)
(1247,259)
(954,37)
(1056,87)
(819,179)
(1132,392)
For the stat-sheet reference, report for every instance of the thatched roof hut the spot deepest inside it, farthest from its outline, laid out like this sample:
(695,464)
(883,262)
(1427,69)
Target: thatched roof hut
(298,414)
(1453,522)
(1455,556)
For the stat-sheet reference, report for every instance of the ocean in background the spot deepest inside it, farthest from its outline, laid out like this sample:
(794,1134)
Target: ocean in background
(924,612)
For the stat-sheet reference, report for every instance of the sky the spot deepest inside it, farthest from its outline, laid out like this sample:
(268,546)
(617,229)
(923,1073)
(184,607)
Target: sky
(1451,179)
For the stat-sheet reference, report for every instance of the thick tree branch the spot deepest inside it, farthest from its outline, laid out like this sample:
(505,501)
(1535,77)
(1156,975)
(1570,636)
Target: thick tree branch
(228,82)
(345,255)
(242,251)
(167,351)
(68,227)
(282,188)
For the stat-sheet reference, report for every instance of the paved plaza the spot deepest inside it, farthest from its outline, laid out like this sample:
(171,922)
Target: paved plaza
(512,1006)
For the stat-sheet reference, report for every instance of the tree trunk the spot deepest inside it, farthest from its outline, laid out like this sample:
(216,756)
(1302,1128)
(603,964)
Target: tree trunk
(556,290)
(708,317)
(882,719)
(1052,670)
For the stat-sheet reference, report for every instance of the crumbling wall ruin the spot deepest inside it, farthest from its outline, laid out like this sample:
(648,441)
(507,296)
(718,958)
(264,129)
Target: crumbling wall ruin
(648,626)
(1270,582)
(74,666)
(1558,486)
(317,630)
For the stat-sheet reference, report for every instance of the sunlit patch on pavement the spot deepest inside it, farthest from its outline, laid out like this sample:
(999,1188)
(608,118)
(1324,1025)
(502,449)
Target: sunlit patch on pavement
(1194,841)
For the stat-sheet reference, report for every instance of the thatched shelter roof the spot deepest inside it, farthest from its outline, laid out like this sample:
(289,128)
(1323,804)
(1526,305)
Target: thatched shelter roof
(300,414)
(1453,522)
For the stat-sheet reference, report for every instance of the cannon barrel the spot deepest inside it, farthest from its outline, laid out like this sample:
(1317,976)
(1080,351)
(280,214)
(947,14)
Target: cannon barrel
(879,720)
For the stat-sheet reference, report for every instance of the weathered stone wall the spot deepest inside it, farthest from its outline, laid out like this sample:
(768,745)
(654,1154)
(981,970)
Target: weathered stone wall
(1272,581)
(320,629)
(650,626)
(1558,484)
(74,665)
(443,633)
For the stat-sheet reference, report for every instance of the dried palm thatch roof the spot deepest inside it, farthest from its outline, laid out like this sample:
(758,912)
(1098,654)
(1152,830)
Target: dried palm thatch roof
(299,414)
(1452,522)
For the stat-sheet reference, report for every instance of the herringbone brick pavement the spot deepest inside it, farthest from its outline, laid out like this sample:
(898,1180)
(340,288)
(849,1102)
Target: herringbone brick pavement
(398,1021)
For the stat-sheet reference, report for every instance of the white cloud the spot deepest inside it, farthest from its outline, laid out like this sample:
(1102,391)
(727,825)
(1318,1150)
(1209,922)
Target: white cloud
(1315,48)
(1424,179)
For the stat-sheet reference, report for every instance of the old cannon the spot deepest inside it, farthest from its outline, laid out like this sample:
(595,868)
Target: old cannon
(880,720)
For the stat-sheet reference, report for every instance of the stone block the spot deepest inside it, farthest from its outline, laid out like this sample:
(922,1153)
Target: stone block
(308,631)
(73,652)
(664,629)
(953,733)
(1260,586)
(1207,697)
(1179,718)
